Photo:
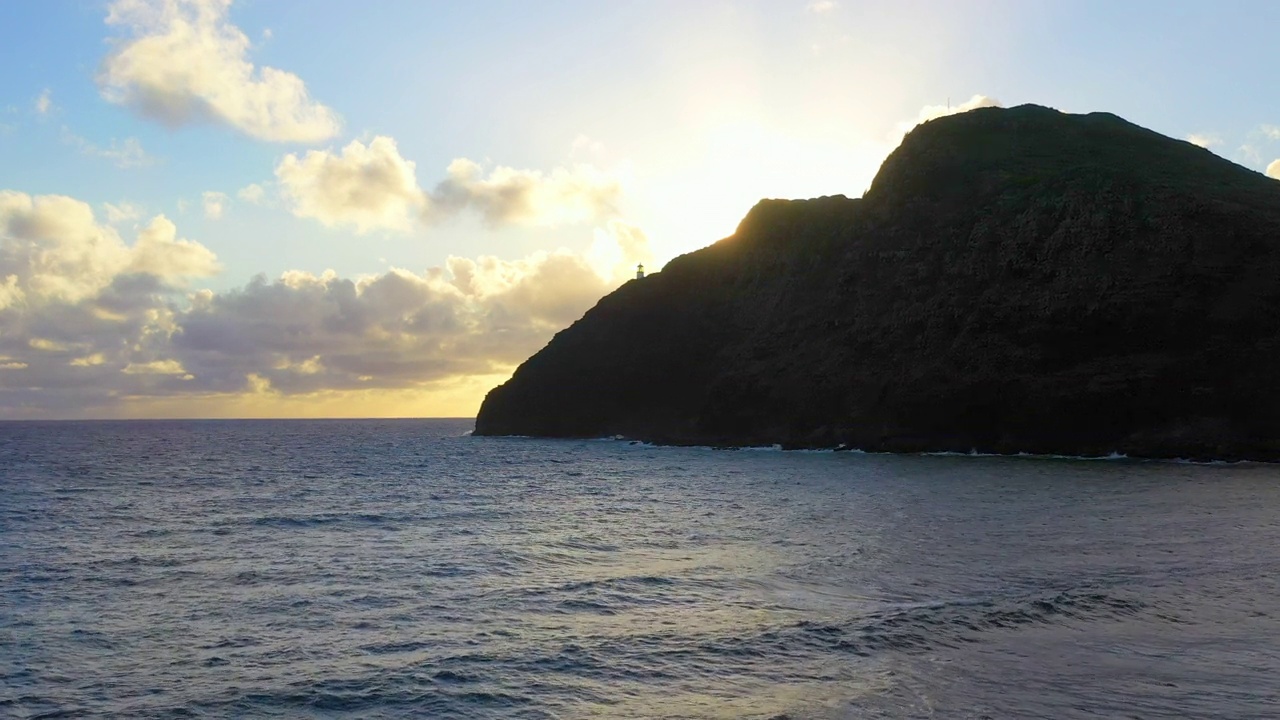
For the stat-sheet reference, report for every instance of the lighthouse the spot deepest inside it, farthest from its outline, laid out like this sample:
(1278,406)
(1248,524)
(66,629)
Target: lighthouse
(640,271)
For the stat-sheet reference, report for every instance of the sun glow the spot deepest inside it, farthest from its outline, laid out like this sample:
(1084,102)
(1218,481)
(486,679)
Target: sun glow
(457,397)
(706,195)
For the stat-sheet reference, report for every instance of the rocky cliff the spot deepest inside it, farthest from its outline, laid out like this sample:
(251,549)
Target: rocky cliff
(1015,280)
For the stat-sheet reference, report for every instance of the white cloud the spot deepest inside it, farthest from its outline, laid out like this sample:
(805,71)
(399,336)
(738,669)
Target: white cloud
(822,6)
(96,323)
(306,333)
(89,360)
(160,252)
(367,187)
(57,252)
(371,187)
(53,247)
(254,194)
(1273,170)
(933,112)
(1204,140)
(1254,150)
(182,62)
(617,249)
(127,153)
(10,293)
(44,103)
(78,304)
(122,213)
(526,197)
(215,204)
(155,367)
(47,345)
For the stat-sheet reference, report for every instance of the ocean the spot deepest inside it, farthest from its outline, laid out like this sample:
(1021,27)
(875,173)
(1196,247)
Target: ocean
(403,569)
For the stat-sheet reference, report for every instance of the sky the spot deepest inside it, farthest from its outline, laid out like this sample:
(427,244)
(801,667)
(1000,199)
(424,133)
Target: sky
(324,208)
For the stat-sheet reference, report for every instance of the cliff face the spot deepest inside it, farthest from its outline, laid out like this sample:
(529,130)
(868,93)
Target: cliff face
(1015,280)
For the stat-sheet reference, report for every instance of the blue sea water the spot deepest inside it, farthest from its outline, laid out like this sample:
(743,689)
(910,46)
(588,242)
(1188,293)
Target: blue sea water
(402,569)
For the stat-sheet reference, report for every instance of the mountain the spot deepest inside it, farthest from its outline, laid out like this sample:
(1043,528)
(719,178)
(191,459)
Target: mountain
(1015,280)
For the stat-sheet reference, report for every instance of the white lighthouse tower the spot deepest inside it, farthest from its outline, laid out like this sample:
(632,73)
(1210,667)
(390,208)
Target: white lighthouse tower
(640,271)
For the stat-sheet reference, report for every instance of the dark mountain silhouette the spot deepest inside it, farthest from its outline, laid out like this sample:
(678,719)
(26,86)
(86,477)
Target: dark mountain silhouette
(1015,280)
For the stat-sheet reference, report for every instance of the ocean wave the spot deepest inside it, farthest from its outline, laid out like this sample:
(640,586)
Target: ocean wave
(462,579)
(323,519)
(841,448)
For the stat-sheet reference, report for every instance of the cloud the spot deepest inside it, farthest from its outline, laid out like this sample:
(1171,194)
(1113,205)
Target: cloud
(92,325)
(125,154)
(51,249)
(1273,170)
(47,345)
(1253,150)
(821,6)
(304,333)
(122,213)
(254,194)
(372,187)
(215,203)
(161,253)
(78,304)
(933,112)
(616,250)
(367,187)
(44,103)
(10,293)
(509,196)
(1204,140)
(183,62)
(56,251)
(155,367)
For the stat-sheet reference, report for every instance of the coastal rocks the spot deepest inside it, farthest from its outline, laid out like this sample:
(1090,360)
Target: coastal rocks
(1015,280)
